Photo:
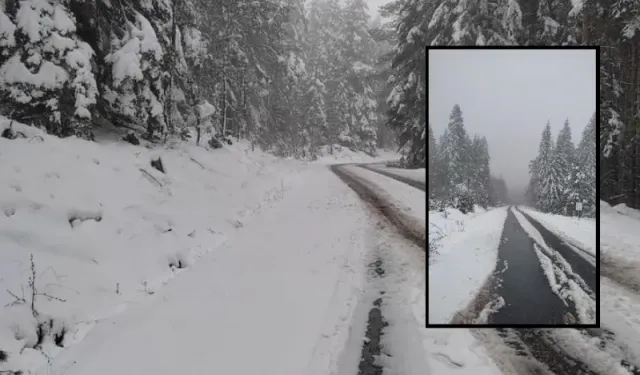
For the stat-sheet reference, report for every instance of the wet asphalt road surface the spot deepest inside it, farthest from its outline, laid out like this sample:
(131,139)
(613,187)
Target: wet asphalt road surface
(521,282)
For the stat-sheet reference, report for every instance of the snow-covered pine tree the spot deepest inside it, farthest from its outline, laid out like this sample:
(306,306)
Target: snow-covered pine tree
(326,62)
(46,73)
(585,179)
(407,100)
(456,157)
(483,22)
(443,181)
(532,186)
(565,163)
(314,114)
(359,58)
(548,191)
(475,185)
(553,22)
(459,149)
(483,172)
(433,152)
(136,88)
(384,37)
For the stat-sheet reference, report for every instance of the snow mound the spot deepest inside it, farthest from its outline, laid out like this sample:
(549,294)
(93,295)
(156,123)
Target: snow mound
(468,246)
(578,232)
(626,210)
(107,229)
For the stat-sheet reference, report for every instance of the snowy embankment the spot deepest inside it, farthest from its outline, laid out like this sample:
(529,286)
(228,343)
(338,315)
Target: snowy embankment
(619,285)
(466,254)
(620,275)
(418,174)
(577,232)
(408,200)
(620,238)
(465,257)
(108,232)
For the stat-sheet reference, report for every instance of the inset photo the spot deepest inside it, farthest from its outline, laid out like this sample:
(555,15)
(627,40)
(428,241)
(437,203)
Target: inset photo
(512,186)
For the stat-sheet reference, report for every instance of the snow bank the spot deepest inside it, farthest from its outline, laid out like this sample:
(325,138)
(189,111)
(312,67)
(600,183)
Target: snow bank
(343,154)
(407,199)
(466,257)
(283,291)
(107,230)
(419,174)
(619,236)
(578,232)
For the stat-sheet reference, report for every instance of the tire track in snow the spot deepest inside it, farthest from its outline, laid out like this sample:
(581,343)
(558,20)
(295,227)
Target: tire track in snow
(560,351)
(382,206)
(382,349)
(579,265)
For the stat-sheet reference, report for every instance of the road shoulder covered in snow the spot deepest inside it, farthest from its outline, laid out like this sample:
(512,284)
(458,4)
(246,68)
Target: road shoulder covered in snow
(577,232)
(418,174)
(110,234)
(463,261)
(283,292)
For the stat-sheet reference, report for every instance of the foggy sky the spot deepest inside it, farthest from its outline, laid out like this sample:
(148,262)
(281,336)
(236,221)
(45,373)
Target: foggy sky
(508,96)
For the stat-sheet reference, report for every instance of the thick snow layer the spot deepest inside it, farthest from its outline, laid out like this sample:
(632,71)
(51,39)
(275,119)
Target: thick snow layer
(282,291)
(249,235)
(466,256)
(620,240)
(406,198)
(620,270)
(578,232)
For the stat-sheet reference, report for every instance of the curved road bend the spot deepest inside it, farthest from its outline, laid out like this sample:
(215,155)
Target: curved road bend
(416,235)
(536,351)
(416,184)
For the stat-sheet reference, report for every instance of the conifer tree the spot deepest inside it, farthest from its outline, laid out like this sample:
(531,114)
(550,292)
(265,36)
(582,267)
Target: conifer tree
(46,71)
(585,171)
(548,184)
(564,162)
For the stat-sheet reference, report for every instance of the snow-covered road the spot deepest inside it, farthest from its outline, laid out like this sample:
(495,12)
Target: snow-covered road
(568,245)
(288,294)
(413,177)
(539,280)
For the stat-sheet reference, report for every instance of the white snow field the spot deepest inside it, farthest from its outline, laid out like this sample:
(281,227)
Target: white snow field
(466,255)
(233,261)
